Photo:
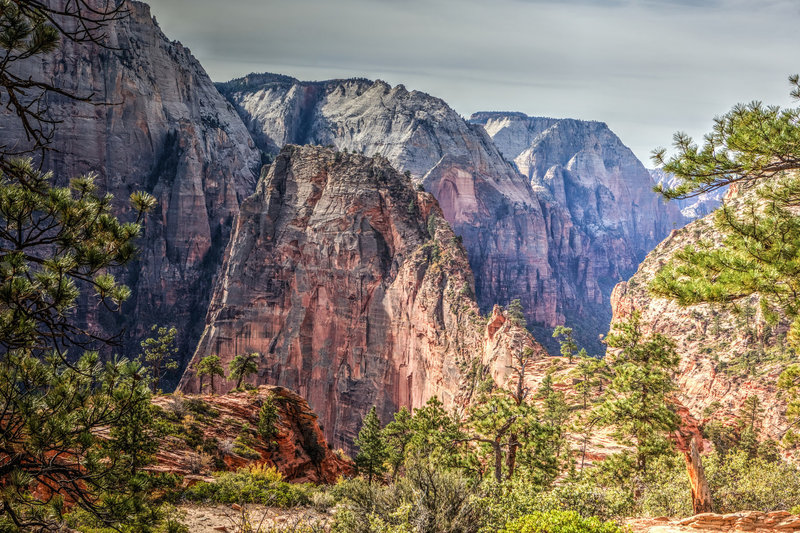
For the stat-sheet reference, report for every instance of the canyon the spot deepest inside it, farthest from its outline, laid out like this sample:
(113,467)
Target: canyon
(355,292)
(552,212)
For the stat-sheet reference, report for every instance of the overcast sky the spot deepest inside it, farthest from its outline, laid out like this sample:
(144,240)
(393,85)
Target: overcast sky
(646,67)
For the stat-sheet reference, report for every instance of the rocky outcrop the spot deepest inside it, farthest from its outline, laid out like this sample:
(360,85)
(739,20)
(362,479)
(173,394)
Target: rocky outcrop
(355,291)
(726,356)
(169,132)
(745,521)
(225,426)
(484,199)
(613,216)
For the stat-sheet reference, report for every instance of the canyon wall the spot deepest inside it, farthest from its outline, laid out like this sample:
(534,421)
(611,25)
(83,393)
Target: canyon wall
(553,212)
(355,292)
(166,130)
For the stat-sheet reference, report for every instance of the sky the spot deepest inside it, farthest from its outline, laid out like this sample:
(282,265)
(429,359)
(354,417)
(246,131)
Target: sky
(648,68)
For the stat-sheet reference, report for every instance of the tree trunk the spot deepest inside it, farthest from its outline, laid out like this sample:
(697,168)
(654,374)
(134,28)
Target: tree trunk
(498,461)
(511,459)
(701,494)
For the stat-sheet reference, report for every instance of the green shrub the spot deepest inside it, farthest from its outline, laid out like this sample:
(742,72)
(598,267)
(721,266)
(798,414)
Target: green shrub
(427,500)
(255,484)
(559,522)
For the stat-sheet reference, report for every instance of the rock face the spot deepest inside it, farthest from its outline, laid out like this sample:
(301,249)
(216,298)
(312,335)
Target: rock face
(171,134)
(298,450)
(613,216)
(557,238)
(354,290)
(485,200)
(744,521)
(725,356)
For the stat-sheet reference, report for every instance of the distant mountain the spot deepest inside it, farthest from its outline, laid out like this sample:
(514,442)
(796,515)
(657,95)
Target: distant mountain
(692,208)
(558,242)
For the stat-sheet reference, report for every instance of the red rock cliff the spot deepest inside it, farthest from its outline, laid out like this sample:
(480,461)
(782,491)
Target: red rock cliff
(354,290)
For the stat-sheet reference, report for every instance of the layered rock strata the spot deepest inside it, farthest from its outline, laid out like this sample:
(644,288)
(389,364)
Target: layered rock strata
(726,355)
(558,238)
(355,292)
(167,130)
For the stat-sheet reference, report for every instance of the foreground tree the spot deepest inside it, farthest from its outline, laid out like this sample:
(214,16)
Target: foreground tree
(53,242)
(757,149)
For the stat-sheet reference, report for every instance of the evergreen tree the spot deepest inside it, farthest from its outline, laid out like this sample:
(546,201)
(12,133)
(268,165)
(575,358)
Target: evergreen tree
(637,404)
(398,434)
(372,452)
(569,348)
(516,314)
(242,366)
(754,147)
(210,366)
(268,417)
(555,415)
(159,352)
(74,428)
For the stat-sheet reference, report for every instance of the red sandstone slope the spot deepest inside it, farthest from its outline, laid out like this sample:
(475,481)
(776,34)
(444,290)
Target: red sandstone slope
(355,291)
(226,425)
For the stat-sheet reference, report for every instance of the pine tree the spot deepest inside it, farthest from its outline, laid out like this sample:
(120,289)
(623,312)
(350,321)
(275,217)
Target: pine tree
(637,404)
(372,454)
(242,366)
(516,314)
(210,366)
(756,148)
(398,434)
(159,352)
(268,417)
(569,348)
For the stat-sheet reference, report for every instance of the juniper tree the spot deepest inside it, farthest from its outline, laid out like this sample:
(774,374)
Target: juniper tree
(756,148)
(242,366)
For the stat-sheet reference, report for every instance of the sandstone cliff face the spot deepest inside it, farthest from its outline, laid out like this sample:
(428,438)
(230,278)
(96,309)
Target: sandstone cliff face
(171,134)
(613,216)
(557,238)
(354,290)
(725,356)
(298,450)
(485,200)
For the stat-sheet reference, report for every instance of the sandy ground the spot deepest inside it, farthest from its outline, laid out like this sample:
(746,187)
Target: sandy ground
(235,519)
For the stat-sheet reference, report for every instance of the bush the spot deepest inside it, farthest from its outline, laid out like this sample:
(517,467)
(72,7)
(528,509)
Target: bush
(427,500)
(255,484)
(584,496)
(559,522)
